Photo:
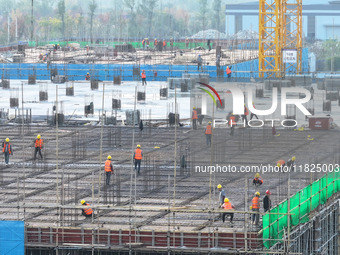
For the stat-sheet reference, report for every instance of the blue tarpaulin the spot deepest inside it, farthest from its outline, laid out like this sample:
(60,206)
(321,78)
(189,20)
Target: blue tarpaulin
(12,238)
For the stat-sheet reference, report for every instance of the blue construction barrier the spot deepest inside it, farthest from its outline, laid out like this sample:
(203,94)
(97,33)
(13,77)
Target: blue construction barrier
(106,72)
(12,238)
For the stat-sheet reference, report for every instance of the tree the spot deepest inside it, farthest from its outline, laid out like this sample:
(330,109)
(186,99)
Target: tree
(92,9)
(216,17)
(130,4)
(202,14)
(147,9)
(61,13)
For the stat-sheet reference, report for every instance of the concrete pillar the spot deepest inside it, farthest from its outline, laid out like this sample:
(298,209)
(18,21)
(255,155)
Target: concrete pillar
(238,23)
(317,234)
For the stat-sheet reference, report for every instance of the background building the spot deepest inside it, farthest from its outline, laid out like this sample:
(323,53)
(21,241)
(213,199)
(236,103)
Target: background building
(321,19)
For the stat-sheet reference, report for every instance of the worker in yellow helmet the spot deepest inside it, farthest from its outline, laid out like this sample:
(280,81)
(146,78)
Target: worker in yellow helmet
(87,212)
(291,163)
(108,169)
(221,195)
(138,155)
(229,207)
(38,144)
(256,208)
(7,150)
(257,180)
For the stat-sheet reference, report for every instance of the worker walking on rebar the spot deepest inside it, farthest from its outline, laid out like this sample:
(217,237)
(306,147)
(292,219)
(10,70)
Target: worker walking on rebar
(208,133)
(221,195)
(199,63)
(138,155)
(228,206)
(232,123)
(38,144)
(253,114)
(194,117)
(155,44)
(143,77)
(291,163)
(228,71)
(257,180)
(244,116)
(143,44)
(87,212)
(267,203)
(108,169)
(256,208)
(7,150)
(164,44)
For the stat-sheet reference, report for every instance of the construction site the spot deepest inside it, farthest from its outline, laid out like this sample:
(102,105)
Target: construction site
(87,102)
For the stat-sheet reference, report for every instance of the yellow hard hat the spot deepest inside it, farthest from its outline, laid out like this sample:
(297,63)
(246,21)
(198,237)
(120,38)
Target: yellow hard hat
(226,200)
(138,145)
(257,193)
(194,107)
(88,73)
(7,139)
(278,164)
(257,175)
(293,158)
(82,201)
(219,186)
(209,122)
(109,157)
(250,207)
(38,136)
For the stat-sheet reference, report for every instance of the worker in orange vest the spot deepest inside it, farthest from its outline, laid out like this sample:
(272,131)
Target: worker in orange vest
(194,118)
(143,43)
(87,77)
(143,78)
(244,116)
(257,180)
(155,43)
(87,212)
(228,206)
(281,163)
(164,44)
(208,132)
(138,155)
(7,150)
(228,71)
(256,208)
(232,123)
(38,146)
(108,169)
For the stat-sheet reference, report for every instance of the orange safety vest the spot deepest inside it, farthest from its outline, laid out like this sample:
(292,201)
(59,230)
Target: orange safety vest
(232,120)
(164,43)
(138,153)
(108,165)
(9,148)
(194,115)
(255,203)
(143,75)
(228,70)
(88,211)
(282,162)
(208,130)
(87,77)
(258,180)
(156,42)
(143,42)
(246,112)
(227,206)
(38,143)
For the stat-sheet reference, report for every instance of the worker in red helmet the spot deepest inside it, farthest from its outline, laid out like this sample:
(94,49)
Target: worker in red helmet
(267,203)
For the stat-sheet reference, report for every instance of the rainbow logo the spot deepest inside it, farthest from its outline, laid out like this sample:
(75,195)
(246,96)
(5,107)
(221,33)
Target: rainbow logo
(209,93)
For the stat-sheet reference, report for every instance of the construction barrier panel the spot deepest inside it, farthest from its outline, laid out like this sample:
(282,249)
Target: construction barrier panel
(301,204)
(12,237)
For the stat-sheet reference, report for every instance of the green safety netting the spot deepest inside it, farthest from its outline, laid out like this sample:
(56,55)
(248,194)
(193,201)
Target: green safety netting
(179,45)
(301,204)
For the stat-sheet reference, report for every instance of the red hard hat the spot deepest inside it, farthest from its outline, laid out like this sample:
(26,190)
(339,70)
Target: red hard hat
(268,192)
